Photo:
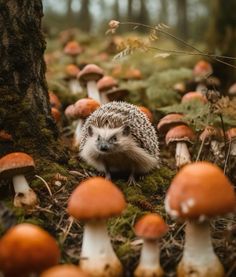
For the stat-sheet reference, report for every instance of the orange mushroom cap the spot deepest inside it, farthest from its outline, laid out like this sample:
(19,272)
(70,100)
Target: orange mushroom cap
(26,249)
(202,68)
(106,83)
(64,271)
(91,72)
(56,114)
(16,163)
(84,107)
(96,198)
(54,100)
(72,48)
(133,74)
(150,226)
(198,190)
(169,121)
(231,134)
(147,112)
(72,70)
(180,133)
(194,95)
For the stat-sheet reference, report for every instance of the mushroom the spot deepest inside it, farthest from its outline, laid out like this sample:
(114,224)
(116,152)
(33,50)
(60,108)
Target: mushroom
(169,121)
(73,49)
(147,112)
(105,84)
(151,228)
(54,100)
(89,76)
(202,70)
(72,71)
(16,165)
(26,249)
(197,193)
(181,135)
(194,96)
(56,114)
(133,74)
(82,109)
(94,201)
(65,270)
(232,90)
(213,136)
(231,136)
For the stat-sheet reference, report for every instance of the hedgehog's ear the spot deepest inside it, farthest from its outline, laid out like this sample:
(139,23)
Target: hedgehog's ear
(90,131)
(126,130)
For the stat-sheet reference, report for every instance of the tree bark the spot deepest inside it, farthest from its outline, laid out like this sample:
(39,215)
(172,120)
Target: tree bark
(116,10)
(143,13)
(69,13)
(182,19)
(163,14)
(24,102)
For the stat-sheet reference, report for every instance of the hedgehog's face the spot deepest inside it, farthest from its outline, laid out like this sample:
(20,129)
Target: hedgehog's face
(107,140)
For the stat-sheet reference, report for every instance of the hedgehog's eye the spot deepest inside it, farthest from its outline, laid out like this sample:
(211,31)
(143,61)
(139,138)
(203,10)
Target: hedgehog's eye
(113,139)
(99,138)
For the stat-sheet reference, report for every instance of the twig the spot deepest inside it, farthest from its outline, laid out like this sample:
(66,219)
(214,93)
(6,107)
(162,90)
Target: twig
(45,183)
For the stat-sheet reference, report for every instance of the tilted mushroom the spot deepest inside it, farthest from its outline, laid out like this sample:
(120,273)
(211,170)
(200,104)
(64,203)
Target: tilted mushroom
(197,193)
(169,121)
(181,135)
(26,250)
(151,228)
(89,77)
(94,201)
(16,165)
(65,270)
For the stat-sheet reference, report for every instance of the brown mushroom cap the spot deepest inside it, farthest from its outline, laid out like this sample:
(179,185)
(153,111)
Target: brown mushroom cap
(169,121)
(91,72)
(26,249)
(96,198)
(4,136)
(72,70)
(72,48)
(56,114)
(84,107)
(202,68)
(181,133)
(147,112)
(150,226)
(231,134)
(106,83)
(194,95)
(210,133)
(198,190)
(16,163)
(133,74)
(64,271)
(54,100)
(117,94)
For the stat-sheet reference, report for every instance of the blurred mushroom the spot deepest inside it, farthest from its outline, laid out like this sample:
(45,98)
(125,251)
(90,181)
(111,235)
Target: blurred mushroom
(180,87)
(169,121)
(26,250)
(147,112)
(73,49)
(181,135)
(72,71)
(5,136)
(151,228)
(16,165)
(232,90)
(194,96)
(105,84)
(202,70)
(56,114)
(94,201)
(89,77)
(54,100)
(197,193)
(133,74)
(65,270)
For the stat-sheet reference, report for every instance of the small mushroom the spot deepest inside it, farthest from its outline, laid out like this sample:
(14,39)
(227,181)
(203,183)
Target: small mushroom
(89,77)
(54,100)
(65,270)
(94,201)
(26,250)
(151,228)
(202,70)
(16,165)
(198,192)
(181,135)
(56,114)
(73,49)
(232,90)
(194,96)
(105,84)
(169,121)
(72,71)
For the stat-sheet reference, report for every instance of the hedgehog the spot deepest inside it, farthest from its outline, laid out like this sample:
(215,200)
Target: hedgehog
(119,138)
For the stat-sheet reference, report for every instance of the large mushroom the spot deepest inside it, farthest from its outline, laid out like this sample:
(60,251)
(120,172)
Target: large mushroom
(197,193)
(26,250)
(151,228)
(181,135)
(94,201)
(16,165)
(65,270)
(89,77)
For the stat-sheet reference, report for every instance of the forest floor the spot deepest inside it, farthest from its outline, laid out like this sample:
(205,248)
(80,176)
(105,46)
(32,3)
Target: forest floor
(58,181)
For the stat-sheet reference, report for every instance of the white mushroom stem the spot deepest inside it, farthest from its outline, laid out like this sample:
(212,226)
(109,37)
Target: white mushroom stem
(97,255)
(182,155)
(93,91)
(149,264)
(216,148)
(104,98)
(24,195)
(77,134)
(199,258)
(74,86)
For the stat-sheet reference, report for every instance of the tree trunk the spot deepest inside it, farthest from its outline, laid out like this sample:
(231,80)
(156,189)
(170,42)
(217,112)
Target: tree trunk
(116,10)
(163,14)
(182,19)
(143,13)
(24,103)
(130,15)
(85,20)
(69,13)
(221,36)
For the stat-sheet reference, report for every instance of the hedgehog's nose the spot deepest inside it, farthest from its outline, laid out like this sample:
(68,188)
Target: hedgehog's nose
(104,147)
